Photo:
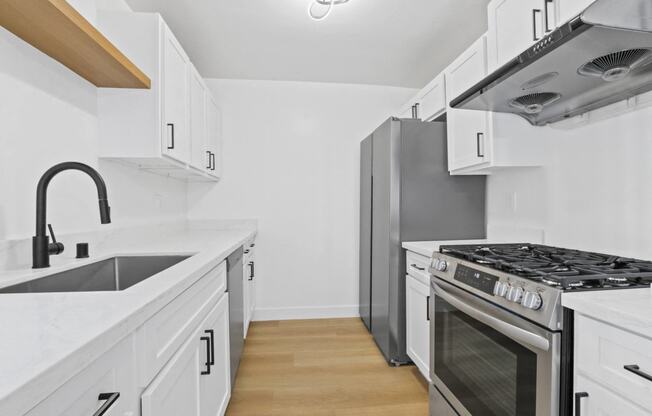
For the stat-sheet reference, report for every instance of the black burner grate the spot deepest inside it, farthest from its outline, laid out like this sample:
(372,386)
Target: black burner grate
(559,267)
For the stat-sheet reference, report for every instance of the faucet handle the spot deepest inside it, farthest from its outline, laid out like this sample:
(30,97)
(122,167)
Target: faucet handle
(54,247)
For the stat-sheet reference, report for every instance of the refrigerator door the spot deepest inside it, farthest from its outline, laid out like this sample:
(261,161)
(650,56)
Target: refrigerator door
(366,180)
(385,244)
(235,289)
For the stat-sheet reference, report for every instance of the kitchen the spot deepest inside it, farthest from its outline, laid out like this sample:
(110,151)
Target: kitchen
(230,140)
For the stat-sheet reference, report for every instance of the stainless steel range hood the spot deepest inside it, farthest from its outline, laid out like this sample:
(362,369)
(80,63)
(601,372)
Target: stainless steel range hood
(598,58)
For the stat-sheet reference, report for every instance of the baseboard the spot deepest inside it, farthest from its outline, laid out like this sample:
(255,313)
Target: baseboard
(317,312)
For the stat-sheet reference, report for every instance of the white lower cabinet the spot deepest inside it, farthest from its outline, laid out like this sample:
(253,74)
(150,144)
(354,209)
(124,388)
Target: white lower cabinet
(196,381)
(249,285)
(417,311)
(110,382)
(603,383)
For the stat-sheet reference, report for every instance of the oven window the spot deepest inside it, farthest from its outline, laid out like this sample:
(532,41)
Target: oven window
(489,373)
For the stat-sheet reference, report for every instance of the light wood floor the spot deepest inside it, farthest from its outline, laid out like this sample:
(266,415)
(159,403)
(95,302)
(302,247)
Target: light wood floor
(322,368)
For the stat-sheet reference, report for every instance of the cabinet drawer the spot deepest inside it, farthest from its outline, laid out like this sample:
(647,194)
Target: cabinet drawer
(602,352)
(114,372)
(603,402)
(417,265)
(164,334)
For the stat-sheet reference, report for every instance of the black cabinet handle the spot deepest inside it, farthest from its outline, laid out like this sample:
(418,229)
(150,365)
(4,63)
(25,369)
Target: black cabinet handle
(212,158)
(247,251)
(534,24)
(417,267)
(578,402)
(208,356)
(211,355)
(171,145)
(428,308)
(547,14)
(416,110)
(633,368)
(252,245)
(479,138)
(109,400)
(251,270)
(209,159)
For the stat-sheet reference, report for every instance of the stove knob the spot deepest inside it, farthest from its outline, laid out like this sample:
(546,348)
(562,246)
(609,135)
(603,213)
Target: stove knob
(532,300)
(514,294)
(441,265)
(500,289)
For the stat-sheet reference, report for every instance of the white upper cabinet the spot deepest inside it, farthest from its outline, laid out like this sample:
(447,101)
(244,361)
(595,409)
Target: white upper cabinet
(162,129)
(213,144)
(568,9)
(198,123)
(514,25)
(431,101)
(467,129)
(176,143)
(480,141)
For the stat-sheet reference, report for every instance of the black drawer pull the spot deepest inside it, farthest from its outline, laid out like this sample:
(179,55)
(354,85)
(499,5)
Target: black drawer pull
(212,157)
(209,159)
(633,368)
(171,145)
(547,13)
(534,24)
(479,137)
(251,270)
(578,402)
(208,356)
(211,355)
(109,400)
(428,308)
(417,267)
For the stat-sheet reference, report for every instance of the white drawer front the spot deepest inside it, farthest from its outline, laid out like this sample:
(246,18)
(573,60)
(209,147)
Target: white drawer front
(114,372)
(170,328)
(602,402)
(602,351)
(417,265)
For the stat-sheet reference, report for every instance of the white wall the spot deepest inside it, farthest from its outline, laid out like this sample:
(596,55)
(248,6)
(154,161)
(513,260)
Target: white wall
(292,162)
(48,115)
(594,192)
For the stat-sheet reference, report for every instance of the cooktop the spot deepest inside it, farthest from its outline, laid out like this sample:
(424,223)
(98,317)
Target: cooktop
(563,268)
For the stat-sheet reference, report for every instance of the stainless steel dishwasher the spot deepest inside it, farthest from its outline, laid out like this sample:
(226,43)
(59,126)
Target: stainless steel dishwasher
(236,309)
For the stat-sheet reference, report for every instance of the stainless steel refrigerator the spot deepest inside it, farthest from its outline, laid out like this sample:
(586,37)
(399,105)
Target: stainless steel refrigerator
(407,194)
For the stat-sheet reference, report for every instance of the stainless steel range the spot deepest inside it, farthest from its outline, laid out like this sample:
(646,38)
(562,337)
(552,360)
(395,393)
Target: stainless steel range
(501,343)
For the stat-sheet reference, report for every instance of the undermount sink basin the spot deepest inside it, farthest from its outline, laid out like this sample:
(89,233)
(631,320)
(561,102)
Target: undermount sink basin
(114,274)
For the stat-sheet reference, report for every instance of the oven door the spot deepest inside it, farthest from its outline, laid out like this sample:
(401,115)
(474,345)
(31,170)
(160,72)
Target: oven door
(488,361)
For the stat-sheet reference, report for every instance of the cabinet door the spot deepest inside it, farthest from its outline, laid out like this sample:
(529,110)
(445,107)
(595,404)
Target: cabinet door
(175,100)
(112,373)
(468,133)
(175,391)
(198,124)
(602,402)
(417,299)
(514,25)
(214,136)
(568,9)
(215,388)
(407,111)
(432,100)
(246,290)
(251,283)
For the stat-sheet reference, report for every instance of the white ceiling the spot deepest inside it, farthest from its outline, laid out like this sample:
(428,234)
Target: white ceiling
(382,42)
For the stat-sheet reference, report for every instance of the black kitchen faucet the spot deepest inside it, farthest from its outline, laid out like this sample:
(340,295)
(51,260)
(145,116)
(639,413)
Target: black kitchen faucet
(41,246)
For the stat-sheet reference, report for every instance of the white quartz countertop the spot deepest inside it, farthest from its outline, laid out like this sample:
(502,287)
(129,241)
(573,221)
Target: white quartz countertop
(630,309)
(428,248)
(45,338)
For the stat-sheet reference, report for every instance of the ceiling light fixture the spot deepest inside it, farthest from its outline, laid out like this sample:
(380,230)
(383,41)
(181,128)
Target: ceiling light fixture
(328,4)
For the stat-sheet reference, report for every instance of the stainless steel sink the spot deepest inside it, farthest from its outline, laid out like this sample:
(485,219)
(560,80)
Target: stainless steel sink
(114,274)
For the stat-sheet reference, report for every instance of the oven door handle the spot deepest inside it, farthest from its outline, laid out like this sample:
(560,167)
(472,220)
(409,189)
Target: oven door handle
(514,332)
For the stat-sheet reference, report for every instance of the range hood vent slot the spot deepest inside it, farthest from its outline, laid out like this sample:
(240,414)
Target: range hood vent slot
(534,103)
(616,66)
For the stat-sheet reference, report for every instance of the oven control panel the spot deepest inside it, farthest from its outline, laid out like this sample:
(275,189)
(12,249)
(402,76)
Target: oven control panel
(476,279)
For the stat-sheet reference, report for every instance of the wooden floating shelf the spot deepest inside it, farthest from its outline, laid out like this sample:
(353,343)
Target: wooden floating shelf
(58,30)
